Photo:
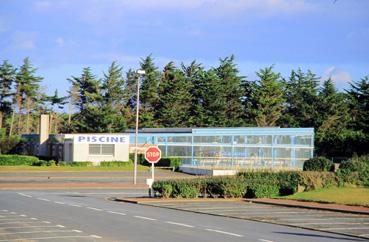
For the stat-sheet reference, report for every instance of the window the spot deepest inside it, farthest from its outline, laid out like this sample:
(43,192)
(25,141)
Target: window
(101,149)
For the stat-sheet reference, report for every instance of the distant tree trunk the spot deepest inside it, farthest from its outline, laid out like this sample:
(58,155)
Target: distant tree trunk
(1,119)
(11,124)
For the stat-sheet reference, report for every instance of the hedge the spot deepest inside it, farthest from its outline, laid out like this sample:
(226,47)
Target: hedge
(116,163)
(17,160)
(258,184)
(354,171)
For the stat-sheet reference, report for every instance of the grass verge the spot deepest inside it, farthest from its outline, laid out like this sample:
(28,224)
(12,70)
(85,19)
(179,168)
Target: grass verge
(339,195)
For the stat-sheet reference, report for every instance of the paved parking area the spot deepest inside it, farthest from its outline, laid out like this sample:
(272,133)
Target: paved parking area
(338,222)
(20,227)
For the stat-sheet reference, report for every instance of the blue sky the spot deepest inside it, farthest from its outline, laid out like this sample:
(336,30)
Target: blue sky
(63,36)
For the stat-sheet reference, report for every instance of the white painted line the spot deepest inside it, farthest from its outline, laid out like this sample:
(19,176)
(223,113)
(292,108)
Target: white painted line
(13,213)
(74,205)
(4,210)
(59,202)
(95,236)
(265,240)
(96,209)
(355,228)
(43,199)
(24,195)
(34,219)
(25,227)
(23,215)
(224,232)
(116,213)
(48,238)
(77,231)
(60,226)
(46,222)
(18,222)
(180,224)
(141,217)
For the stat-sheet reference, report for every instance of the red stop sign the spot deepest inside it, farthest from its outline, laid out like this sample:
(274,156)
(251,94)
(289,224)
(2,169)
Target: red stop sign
(152,154)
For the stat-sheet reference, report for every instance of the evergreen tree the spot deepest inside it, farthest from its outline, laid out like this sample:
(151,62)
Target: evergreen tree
(56,102)
(175,98)
(359,104)
(113,101)
(7,76)
(268,98)
(301,93)
(149,92)
(88,88)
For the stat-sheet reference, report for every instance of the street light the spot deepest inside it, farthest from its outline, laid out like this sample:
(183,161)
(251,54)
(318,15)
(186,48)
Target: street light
(140,73)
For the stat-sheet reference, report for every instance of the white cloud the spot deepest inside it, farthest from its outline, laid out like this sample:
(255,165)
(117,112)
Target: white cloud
(24,40)
(339,76)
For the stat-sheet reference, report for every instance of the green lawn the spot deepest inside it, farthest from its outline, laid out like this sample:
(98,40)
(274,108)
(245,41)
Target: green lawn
(25,168)
(340,195)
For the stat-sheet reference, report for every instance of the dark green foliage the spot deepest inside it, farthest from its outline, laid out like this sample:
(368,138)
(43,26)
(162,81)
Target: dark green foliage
(43,163)
(77,164)
(116,163)
(354,171)
(8,144)
(17,160)
(318,164)
(310,180)
(262,191)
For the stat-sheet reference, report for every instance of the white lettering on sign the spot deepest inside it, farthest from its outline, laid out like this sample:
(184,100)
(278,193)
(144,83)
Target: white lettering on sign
(102,139)
(152,154)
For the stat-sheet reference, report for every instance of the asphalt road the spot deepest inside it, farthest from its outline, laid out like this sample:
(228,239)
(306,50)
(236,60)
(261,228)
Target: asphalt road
(86,215)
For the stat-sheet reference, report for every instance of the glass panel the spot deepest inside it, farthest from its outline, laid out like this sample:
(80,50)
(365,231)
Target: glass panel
(227,152)
(208,139)
(303,140)
(207,151)
(179,139)
(94,149)
(239,139)
(179,151)
(264,139)
(302,153)
(107,149)
(227,139)
(282,139)
(239,152)
(161,140)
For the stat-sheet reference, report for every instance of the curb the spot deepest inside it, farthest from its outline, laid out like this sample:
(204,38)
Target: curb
(233,217)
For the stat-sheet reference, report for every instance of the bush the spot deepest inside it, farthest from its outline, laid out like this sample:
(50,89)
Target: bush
(262,191)
(77,163)
(8,144)
(354,171)
(115,163)
(311,180)
(318,164)
(17,160)
(43,163)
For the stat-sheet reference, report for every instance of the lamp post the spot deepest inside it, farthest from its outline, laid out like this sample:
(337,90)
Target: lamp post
(140,73)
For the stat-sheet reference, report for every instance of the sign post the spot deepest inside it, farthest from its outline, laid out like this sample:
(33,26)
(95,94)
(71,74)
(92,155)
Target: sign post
(152,155)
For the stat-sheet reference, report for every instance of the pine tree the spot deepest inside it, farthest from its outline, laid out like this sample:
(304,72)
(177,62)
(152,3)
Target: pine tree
(268,98)
(7,78)
(56,102)
(174,105)
(359,104)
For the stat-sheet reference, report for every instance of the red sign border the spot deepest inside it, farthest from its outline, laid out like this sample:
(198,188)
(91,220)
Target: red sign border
(159,156)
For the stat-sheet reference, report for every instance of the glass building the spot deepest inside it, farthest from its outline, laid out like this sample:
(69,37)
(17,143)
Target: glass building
(226,148)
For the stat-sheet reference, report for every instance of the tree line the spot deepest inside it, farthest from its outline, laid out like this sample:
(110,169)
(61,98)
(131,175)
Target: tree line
(190,96)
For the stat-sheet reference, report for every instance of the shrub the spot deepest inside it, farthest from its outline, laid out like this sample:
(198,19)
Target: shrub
(318,164)
(262,191)
(115,163)
(76,163)
(43,163)
(8,144)
(311,180)
(16,160)
(354,171)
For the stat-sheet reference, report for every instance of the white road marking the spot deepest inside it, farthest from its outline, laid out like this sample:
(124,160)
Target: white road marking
(265,240)
(74,205)
(48,238)
(77,231)
(60,226)
(355,228)
(23,227)
(17,222)
(95,236)
(96,209)
(24,195)
(34,219)
(116,213)
(4,210)
(141,217)
(43,199)
(35,232)
(224,232)
(180,224)
(59,202)
(23,215)
(13,213)
(46,222)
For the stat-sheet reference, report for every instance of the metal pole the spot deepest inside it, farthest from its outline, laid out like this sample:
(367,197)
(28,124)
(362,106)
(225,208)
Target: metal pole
(137,109)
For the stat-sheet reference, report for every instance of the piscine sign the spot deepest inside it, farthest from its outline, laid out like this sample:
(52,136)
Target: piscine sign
(102,139)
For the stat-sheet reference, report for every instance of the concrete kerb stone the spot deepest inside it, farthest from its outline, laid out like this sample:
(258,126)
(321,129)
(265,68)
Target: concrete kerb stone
(149,202)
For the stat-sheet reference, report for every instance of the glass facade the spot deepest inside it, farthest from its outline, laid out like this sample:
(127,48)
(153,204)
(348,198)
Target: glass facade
(234,147)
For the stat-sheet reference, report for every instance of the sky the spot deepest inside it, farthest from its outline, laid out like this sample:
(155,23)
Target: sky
(61,37)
